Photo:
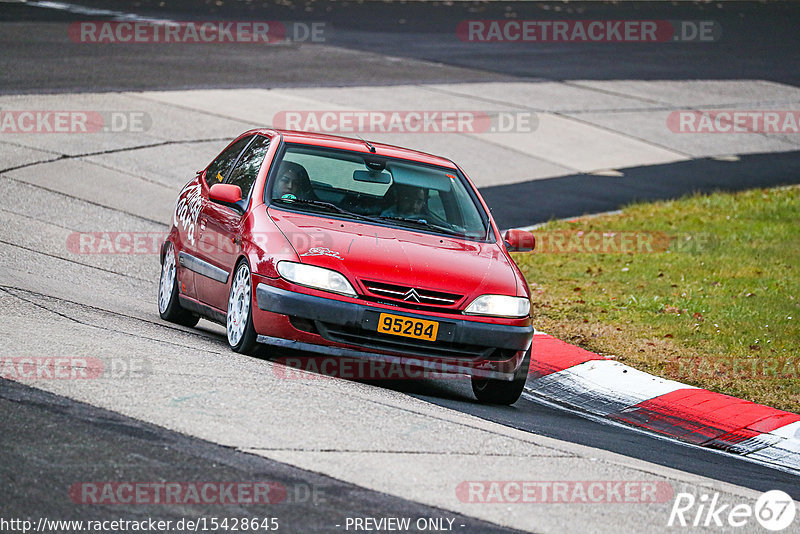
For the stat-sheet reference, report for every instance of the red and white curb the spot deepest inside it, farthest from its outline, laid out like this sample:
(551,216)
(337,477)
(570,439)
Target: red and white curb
(568,375)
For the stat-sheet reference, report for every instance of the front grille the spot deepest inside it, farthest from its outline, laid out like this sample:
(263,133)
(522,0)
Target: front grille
(409,346)
(410,297)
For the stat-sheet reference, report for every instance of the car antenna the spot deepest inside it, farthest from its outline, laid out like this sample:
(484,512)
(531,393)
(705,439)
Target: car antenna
(369,146)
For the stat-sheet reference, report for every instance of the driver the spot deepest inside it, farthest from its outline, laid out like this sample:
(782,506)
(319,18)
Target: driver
(292,182)
(409,202)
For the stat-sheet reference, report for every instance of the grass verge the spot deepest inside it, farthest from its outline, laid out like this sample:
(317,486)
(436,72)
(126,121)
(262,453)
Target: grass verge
(704,290)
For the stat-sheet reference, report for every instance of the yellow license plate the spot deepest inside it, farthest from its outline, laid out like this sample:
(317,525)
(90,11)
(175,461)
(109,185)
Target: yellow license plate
(406,326)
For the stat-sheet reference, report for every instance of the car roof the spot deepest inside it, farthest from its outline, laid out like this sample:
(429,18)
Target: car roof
(356,145)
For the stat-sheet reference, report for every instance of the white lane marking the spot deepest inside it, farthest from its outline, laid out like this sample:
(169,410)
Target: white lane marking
(785,448)
(532,396)
(603,387)
(754,444)
(95,12)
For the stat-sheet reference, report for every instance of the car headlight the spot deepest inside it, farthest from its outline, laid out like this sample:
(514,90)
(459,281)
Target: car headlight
(316,277)
(499,306)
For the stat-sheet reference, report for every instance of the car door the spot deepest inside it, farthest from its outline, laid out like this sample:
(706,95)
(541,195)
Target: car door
(222,224)
(188,220)
(184,219)
(191,256)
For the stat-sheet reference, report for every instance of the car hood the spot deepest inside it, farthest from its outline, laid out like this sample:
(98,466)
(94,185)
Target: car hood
(398,256)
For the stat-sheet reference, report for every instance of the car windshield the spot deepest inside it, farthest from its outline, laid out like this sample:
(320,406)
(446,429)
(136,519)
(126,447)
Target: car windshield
(377,189)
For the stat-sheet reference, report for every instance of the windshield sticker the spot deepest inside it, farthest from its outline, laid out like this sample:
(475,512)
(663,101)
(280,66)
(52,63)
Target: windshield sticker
(187,210)
(219,177)
(322,251)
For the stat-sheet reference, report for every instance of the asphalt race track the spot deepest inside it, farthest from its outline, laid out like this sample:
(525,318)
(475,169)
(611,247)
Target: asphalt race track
(762,45)
(44,432)
(181,407)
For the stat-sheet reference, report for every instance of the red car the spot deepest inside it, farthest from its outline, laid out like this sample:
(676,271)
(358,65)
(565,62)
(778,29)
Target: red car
(346,248)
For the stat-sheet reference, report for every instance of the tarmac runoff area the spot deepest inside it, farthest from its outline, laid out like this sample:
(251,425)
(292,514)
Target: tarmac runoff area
(500,133)
(58,302)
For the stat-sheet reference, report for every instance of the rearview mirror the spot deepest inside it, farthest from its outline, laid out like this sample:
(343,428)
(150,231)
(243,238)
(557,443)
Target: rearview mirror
(225,193)
(373,177)
(519,241)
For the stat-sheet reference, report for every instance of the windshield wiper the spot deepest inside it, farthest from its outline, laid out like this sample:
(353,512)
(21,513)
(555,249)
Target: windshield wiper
(420,222)
(322,204)
(423,223)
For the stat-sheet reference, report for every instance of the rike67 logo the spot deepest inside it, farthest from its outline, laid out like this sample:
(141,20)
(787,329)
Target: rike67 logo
(774,510)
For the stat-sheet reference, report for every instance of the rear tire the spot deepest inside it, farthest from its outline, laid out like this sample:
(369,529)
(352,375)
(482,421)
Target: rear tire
(239,319)
(169,308)
(494,391)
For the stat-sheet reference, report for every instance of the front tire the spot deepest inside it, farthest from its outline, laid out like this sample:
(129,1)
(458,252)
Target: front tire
(494,391)
(169,308)
(239,319)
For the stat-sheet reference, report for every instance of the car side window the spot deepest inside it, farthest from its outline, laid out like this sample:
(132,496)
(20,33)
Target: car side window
(220,167)
(435,204)
(245,172)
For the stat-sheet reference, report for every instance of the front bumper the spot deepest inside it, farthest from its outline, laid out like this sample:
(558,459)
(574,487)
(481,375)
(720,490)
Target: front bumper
(350,330)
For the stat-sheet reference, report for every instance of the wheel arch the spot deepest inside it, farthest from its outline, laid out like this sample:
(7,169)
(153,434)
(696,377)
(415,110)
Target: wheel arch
(242,257)
(163,251)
